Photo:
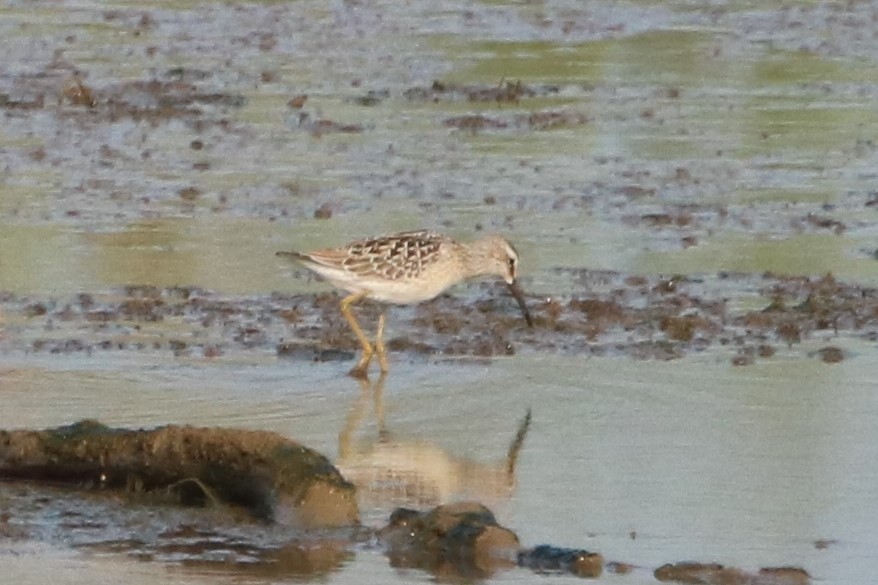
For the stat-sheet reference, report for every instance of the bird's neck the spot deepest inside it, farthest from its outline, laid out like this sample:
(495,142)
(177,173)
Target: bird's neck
(475,259)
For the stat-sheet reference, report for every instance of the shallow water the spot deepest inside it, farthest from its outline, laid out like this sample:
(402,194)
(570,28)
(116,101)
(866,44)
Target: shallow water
(644,462)
(698,139)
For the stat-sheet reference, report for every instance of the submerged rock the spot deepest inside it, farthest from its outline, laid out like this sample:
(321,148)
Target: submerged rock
(458,539)
(274,478)
(546,558)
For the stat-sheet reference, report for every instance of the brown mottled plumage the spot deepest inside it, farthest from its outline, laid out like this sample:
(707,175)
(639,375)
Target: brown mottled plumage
(393,257)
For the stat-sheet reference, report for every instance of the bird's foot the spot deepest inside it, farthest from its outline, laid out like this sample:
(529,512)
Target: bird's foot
(361,370)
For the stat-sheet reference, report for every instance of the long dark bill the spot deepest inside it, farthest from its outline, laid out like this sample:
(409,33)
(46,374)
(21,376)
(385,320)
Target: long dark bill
(519,296)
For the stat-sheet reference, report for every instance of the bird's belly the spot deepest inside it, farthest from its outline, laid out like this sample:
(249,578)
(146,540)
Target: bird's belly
(404,292)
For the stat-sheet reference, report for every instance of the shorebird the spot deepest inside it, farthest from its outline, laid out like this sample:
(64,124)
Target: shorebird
(407,268)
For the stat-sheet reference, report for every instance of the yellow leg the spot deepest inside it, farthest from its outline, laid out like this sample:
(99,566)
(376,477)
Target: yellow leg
(379,344)
(360,370)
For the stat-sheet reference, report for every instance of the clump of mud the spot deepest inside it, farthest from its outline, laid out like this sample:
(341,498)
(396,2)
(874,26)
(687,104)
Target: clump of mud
(502,93)
(544,120)
(716,574)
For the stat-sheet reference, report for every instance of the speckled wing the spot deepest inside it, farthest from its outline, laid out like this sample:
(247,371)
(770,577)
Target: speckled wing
(393,257)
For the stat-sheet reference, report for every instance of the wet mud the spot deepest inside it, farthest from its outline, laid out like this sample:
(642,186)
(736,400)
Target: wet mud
(622,314)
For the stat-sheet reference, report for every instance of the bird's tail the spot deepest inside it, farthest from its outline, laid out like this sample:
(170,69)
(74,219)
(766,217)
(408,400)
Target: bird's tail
(294,255)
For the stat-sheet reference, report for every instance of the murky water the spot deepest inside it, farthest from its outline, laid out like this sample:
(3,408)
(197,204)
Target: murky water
(697,139)
(644,462)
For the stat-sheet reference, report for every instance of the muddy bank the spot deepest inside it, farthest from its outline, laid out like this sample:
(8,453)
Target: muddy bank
(274,478)
(617,314)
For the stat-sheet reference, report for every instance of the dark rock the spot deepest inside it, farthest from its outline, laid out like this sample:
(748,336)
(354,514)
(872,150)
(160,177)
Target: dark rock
(545,558)
(460,539)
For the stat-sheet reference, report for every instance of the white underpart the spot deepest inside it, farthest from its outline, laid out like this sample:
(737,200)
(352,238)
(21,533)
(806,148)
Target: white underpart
(398,292)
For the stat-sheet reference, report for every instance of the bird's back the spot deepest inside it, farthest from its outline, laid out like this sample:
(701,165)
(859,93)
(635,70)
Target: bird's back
(398,268)
(394,257)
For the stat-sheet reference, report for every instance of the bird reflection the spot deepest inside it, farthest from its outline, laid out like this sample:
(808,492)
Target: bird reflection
(390,471)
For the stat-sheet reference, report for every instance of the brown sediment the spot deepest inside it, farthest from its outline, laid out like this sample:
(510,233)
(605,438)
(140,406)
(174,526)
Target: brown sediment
(475,122)
(619,568)
(503,92)
(274,478)
(536,121)
(781,576)
(176,93)
(77,93)
(703,573)
(615,314)
(830,354)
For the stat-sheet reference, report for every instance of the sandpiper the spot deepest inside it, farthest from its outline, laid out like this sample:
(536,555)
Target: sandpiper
(407,268)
